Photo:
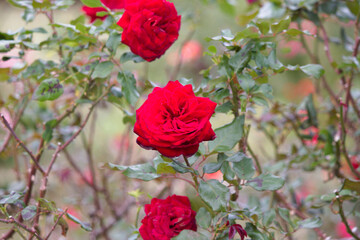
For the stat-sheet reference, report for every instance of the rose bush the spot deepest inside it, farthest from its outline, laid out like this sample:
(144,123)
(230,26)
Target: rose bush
(166,218)
(150,27)
(111,4)
(174,121)
(284,164)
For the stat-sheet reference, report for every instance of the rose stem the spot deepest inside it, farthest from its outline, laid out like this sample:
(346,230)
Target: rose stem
(192,174)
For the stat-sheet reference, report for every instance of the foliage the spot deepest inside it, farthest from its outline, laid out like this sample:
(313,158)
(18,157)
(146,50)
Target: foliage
(269,149)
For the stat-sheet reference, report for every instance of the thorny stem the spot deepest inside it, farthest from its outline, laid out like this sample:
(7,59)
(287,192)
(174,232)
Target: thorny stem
(256,159)
(343,217)
(192,174)
(343,143)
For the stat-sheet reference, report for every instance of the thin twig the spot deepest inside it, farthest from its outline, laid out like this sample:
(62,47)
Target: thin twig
(56,223)
(179,58)
(15,123)
(23,226)
(7,125)
(279,196)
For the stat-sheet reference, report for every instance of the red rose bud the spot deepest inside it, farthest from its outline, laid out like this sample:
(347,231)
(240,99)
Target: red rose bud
(166,218)
(112,4)
(239,229)
(174,121)
(150,27)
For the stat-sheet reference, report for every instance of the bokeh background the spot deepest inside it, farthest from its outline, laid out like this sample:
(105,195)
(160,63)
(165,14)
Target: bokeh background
(114,141)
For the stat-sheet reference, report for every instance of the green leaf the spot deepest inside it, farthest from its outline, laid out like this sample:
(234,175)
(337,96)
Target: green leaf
(129,56)
(103,69)
(189,234)
(113,42)
(243,166)
(265,182)
(314,222)
(62,223)
(47,205)
(246,82)
(353,6)
(92,3)
(314,70)
(28,213)
(263,26)
(269,217)
(145,172)
(246,33)
(49,89)
(293,32)
(351,185)
(7,45)
(214,167)
(241,58)
(281,26)
(311,111)
(226,7)
(128,86)
(11,198)
(164,168)
(215,194)
(49,125)
(203,218)
(254,233)
(227,136)
(228,173)
(85,226)
(224,108)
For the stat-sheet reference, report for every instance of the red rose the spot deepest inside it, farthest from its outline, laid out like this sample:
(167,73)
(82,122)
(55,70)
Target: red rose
(112,4)
(166,218)
(150,27)
(174,121)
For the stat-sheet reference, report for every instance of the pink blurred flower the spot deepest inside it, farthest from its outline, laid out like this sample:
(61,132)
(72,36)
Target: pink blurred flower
(314,132)
(310,131)
(295,46)
(74,212)
(12,62)
(298,90)
(121,142)
(341,229)
(190,52)
(251,1)
(216,175)
(88,177)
